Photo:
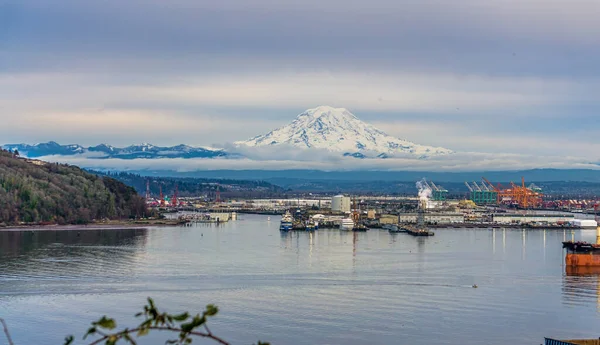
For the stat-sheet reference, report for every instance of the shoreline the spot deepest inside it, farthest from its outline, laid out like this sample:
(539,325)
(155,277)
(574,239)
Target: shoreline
(116,225)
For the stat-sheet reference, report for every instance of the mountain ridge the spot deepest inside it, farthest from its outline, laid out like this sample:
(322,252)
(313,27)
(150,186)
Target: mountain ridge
(338,130)
(105,151)
(335,130)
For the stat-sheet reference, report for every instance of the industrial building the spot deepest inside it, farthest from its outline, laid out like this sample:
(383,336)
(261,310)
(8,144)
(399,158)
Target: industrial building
(388,219)
(340,203)
(433,218)
(511,218)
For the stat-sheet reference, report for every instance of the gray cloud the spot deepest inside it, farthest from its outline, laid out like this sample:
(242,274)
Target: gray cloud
(467,161)
(465,74)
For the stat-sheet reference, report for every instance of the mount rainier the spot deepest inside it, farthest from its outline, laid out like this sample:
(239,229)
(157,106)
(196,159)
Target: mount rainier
(333,129)
(338,130)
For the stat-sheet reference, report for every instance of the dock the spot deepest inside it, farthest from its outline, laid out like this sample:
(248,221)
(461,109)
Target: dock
(417,231)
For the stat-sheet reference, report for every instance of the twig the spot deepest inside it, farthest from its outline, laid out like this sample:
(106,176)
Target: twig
(156,328)
(10,342)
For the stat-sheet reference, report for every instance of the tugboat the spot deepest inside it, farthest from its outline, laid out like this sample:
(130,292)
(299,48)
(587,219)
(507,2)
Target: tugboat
(286,222)
(360,227)
(310,226)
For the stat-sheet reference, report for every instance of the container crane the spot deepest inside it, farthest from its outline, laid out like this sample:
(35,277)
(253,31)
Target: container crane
(496,189)
(485,186)
(468,186)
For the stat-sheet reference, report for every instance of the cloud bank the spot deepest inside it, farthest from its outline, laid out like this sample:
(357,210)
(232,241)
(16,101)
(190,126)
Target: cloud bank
(501,76)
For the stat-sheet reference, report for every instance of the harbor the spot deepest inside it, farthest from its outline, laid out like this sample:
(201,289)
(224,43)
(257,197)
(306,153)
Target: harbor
(432,207)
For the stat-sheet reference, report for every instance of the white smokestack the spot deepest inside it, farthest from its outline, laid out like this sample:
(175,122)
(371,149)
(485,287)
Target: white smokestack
(424,193)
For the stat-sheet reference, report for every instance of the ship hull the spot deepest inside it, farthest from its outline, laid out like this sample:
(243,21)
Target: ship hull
(590,259)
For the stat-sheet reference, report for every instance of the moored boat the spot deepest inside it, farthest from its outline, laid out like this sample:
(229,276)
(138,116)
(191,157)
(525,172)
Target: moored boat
(360,227)
(286,222)
(347,224)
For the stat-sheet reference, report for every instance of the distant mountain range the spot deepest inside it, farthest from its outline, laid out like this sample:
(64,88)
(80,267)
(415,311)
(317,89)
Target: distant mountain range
(574,182)
(324,128)
(104,151)
(338,130)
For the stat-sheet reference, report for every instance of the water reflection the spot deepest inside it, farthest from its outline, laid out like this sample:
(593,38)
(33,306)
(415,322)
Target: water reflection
(59,256)
(17,243)
(319,282)
(580,284)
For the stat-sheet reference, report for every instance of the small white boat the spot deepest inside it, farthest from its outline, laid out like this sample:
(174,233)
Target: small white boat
(347,224)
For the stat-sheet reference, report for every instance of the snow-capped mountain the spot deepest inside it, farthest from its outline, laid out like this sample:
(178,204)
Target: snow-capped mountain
(338,130)
(145,150)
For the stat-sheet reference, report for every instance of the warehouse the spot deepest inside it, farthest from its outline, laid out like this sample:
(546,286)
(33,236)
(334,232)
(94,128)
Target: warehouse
(433,218)
(511,218)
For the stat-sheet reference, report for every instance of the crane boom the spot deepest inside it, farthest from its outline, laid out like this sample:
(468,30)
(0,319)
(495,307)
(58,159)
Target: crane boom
(485,186)
(477,186)
(491,185)
(468,186)
(434,186)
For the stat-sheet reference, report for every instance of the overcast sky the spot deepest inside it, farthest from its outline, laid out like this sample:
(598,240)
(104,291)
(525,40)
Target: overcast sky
(470,75)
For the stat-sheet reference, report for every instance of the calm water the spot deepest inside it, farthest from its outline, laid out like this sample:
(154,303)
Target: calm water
(330,287)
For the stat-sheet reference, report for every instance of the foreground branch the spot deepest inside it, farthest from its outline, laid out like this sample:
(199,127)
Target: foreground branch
(10,342)
(184,325)
(136,330)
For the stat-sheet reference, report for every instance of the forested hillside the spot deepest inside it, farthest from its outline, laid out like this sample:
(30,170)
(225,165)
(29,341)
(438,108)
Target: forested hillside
(188,186)
(39,192)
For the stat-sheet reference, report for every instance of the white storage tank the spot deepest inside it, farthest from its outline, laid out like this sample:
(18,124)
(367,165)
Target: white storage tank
(585,223)
(340,203)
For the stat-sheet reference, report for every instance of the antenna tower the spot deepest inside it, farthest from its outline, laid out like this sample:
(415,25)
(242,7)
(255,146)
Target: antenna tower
(162,197)
(147,190)
(174,201)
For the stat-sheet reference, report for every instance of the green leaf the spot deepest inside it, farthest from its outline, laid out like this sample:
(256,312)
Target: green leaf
(142,332)
(106,323)
(211,310)
(139,314)
(69,340)
(112,340)
(181,317)
(145,323)
(90,331)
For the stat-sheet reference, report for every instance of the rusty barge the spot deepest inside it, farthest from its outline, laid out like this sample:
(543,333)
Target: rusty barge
(581,253)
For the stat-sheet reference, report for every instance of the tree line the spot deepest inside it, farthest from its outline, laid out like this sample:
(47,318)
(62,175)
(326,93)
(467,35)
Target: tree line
(190,186)
(33,191)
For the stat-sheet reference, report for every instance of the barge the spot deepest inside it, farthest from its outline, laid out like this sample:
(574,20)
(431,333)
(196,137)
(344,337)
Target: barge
(581,253)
